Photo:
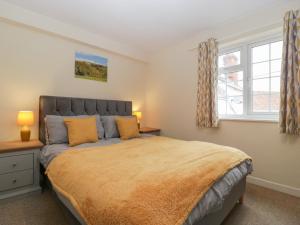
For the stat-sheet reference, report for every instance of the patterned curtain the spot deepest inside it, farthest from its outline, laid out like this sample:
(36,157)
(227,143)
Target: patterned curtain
(290,75)
(207,115)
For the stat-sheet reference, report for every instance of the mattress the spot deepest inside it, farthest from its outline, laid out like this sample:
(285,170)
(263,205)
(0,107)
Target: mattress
(212,201)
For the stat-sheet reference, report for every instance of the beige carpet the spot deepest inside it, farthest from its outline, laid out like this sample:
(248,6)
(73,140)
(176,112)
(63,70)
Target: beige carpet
(261,207)
(265,207)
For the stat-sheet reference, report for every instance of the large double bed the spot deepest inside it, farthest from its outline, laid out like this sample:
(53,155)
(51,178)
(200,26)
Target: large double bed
(166,184)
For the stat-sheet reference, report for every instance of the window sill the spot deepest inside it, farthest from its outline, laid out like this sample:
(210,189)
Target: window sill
(261,120)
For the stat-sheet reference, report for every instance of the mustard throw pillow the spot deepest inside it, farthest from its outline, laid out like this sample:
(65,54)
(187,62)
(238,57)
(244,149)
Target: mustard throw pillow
(128,127)
(81,130)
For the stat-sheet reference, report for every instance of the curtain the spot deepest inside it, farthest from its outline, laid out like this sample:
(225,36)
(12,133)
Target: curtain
(290,75)
(207,115)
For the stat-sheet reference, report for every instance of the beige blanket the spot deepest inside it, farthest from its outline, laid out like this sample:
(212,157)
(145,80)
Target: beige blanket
(144,181)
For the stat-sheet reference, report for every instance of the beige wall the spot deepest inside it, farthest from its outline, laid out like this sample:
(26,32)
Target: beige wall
(171,105)
(34,63)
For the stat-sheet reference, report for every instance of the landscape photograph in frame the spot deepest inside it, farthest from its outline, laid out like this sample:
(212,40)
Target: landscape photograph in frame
(91,67)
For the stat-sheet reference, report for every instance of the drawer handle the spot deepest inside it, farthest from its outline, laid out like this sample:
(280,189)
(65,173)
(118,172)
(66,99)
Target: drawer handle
(14,165)
(14,181)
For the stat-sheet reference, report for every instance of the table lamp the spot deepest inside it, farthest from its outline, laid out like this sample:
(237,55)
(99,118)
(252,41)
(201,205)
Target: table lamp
(25,119)
(138,115)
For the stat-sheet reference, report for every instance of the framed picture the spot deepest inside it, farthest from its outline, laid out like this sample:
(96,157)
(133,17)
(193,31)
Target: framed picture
(91,67)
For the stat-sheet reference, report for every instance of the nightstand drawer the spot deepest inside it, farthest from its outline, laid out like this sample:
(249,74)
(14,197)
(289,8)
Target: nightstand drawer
(16,163)
(15,180)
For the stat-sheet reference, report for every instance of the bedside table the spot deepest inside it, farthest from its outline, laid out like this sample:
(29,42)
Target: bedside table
(149,130)
(19,167)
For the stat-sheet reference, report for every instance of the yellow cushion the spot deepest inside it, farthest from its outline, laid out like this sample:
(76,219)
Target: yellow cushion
(128,127)
(81,130)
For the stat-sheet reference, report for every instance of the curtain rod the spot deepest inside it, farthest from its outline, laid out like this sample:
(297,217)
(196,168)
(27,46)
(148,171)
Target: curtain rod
(264,31)
(218,40)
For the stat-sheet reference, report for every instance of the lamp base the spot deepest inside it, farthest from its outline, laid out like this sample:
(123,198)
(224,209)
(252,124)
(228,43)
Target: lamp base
(25,135)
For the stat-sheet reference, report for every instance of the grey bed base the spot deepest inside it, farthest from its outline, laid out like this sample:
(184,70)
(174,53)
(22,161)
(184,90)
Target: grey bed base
(230,201)
(69,106)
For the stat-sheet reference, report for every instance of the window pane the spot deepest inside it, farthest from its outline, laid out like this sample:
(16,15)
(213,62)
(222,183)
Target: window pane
(235,76)
(235,84)
(276,65)
(260,70)
(230,93)
(276,74)
(235,105)
(260,103)
(276,50)
(260,53)
(222,77)
(222,106)
(260,86)
(275,85)
(275,101)
(221,88)
(235,88)
(231,59)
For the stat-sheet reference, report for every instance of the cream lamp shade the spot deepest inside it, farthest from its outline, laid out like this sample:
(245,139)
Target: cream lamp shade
(25,118)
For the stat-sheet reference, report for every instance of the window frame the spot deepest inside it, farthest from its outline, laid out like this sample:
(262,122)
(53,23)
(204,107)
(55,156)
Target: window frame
(246,67)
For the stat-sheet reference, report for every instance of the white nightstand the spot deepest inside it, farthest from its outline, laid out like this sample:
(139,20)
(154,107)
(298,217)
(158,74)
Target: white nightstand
(19,167)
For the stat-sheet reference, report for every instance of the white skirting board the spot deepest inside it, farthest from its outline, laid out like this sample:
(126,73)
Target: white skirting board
(274,186)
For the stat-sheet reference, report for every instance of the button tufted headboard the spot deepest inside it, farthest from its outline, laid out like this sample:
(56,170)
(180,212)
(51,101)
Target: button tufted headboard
(69,106)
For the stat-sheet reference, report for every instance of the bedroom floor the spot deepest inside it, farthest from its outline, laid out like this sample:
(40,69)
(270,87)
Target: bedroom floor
(261,207)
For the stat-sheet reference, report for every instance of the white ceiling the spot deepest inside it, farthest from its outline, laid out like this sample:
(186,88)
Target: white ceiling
(148,25)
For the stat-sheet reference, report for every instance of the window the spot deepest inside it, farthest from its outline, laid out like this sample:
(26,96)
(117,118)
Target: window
(249,81)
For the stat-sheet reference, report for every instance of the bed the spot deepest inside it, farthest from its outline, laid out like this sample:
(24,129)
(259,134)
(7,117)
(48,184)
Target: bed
(213,206)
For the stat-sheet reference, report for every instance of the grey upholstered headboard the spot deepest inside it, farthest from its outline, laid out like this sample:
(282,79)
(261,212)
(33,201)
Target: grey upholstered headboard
(69,106)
